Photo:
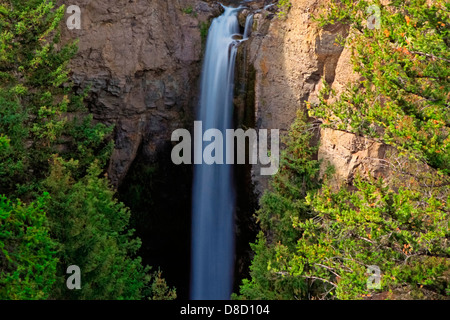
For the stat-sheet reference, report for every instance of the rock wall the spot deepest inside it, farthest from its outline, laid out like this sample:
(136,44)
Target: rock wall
(142,59)
(351,155)
(290,57)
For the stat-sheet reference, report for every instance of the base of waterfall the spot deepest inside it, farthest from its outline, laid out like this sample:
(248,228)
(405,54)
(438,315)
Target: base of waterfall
(234,150)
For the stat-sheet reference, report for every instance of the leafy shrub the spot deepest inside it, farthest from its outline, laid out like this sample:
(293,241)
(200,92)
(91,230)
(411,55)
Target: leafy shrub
(50,145)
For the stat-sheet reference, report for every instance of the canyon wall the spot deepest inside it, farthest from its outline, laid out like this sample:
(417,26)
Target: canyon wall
(142,60)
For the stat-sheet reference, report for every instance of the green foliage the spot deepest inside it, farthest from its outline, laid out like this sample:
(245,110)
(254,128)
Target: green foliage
(160,290)
(204,28)
(4,143)
(88,142)
(283,7)
(49,144)
(324,239)
(91,228)
(32,103)
(27,253)
(403,101)
(298,174)
(280,208)
(266,283)
(189,10)
(32,95)
(403,232)
(318,243)
(404,98)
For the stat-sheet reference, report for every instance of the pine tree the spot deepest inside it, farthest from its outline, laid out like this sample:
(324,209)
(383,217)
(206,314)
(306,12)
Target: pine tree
(35,97)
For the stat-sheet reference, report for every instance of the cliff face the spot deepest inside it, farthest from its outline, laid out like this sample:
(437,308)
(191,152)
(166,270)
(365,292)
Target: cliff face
(142,60)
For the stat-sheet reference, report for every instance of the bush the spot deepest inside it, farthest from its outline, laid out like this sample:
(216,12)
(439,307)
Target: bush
(318,242)
(27,252)
(280,206)
(43,152)
(90,226)
(283,8)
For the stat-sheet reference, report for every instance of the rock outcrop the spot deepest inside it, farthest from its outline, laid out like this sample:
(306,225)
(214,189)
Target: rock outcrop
(290,57)
(351,155)
(142,60)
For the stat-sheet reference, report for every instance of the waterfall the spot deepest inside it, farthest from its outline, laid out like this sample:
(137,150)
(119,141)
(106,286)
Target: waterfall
(213,198)
(248,26)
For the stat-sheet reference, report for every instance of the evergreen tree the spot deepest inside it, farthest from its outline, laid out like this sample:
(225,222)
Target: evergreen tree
(91,227)
(280,207)
(35,97)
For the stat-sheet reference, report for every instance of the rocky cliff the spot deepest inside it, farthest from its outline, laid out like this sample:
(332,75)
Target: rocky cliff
(142,60)
(291,56)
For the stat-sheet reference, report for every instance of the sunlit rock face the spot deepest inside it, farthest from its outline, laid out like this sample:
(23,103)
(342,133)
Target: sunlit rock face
(290,56)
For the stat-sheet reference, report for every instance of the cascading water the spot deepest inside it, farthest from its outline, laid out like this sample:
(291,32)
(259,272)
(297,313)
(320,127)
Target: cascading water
(248,26)
(213,190)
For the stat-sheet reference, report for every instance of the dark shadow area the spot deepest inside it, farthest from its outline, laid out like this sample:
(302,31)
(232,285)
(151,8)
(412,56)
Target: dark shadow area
(159,195)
